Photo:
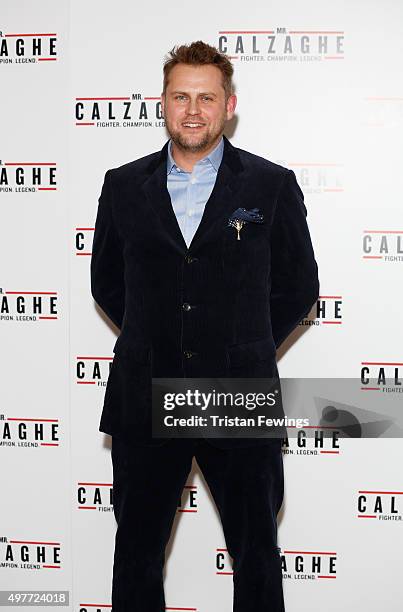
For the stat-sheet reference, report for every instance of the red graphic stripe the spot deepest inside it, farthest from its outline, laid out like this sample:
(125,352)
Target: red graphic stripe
(79,382)
(391,363)
(30,163)
(334,577)
(31,419)
(308,552)
(47,59)
(187,510)
(48,444)
(107,98)
(82,123)
(34,542)
(246,32)
(52,566)
(382,232)
(88,605)
(85,228)
(41,34)
(370,388)
(86,507)
(97,358)
(330,452)
(316,32)
(383,492)
(332,322)
(83,254)
(339,297)
(96,484)
(366,516)
(43,317)
(152,98)
(32,292)
(372,257)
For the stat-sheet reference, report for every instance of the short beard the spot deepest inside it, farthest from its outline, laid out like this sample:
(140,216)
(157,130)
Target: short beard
(202,145)
(183,144)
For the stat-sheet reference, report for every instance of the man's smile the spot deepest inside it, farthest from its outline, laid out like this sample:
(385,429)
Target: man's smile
(193,125)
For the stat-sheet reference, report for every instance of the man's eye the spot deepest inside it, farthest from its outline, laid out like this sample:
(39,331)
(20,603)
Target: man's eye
(207,98)
(180,97)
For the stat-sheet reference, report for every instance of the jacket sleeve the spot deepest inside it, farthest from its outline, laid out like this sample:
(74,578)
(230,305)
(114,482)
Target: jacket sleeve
(294,272)
(107,264)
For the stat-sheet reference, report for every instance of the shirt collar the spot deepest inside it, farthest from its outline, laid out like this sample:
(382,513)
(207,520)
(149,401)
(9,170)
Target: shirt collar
(214,157)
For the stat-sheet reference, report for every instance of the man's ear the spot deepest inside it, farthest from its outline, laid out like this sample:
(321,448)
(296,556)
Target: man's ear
(231,106)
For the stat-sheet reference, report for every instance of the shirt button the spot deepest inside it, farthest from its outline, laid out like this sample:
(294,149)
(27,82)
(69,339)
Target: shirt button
(178,169)
(190,213)
(186,306)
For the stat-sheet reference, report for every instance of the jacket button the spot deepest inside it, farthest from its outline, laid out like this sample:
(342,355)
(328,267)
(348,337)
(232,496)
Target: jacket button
(188,354)
(186,306)
(190,259)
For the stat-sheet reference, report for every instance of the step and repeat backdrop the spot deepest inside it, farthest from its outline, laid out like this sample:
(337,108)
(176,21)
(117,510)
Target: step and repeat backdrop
(320,91)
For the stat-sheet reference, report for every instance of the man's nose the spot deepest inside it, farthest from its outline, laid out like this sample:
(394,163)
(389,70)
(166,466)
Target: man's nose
(193,107)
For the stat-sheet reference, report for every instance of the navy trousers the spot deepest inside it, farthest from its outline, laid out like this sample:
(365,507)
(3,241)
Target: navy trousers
(247,487)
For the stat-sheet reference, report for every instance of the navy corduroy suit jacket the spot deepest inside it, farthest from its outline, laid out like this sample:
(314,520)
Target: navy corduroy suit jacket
(219,308)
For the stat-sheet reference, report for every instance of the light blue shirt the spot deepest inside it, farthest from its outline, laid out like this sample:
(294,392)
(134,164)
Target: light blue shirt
(190,191)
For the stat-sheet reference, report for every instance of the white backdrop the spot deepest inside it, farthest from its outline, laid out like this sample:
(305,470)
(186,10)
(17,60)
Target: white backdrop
(320,91)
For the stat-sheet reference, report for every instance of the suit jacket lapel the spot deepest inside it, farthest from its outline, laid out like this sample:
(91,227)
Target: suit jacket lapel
(155,188)
(221,200)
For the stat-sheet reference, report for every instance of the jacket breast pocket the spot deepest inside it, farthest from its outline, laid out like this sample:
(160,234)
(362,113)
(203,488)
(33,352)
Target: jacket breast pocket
(251,247)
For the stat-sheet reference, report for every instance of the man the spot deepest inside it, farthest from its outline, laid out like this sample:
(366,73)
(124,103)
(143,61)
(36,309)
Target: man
(195,297)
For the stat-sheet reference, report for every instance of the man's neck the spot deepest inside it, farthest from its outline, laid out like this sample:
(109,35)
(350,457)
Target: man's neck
(187,159)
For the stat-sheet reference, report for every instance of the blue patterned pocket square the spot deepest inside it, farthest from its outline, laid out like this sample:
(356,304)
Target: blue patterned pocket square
(241,216)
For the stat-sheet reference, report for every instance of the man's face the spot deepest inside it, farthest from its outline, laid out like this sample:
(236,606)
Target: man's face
(195,107)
